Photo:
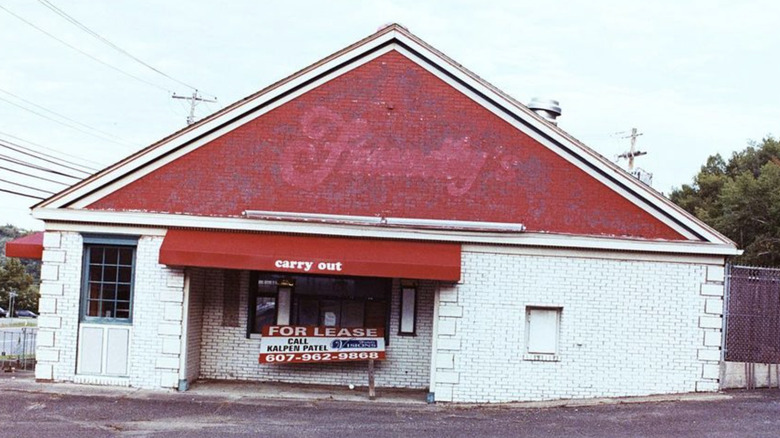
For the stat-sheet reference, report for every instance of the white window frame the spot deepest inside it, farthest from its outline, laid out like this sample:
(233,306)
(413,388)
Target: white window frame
(106,241)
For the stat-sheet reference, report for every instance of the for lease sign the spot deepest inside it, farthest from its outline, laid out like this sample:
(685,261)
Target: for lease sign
(296,344)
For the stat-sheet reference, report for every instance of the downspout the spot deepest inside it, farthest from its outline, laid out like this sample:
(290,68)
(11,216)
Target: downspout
(431,397)
(183,383)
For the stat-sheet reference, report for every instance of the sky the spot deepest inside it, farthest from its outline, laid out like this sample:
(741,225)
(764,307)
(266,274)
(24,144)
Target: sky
(695,78)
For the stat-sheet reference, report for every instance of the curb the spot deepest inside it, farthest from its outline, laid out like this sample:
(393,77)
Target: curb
(250,392)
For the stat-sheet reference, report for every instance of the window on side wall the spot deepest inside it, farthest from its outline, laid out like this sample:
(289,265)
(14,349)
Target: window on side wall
(407,317)
(108,279)
(542,333)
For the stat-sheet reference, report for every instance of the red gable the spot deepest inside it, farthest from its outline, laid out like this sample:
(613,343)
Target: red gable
(388,138)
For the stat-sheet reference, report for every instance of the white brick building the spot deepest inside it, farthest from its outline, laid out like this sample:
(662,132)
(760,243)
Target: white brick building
(387,187)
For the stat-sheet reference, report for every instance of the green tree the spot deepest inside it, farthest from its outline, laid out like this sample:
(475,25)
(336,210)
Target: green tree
(741,199)
(14,278)
(20,276)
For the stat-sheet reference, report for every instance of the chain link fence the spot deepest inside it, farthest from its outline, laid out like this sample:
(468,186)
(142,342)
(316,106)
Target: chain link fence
(752,315)
(17,348)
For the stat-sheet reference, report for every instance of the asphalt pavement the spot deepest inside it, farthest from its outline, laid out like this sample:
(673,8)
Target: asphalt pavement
(217,409)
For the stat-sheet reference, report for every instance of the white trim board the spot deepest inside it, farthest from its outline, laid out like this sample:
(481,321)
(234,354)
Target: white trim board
(86,220)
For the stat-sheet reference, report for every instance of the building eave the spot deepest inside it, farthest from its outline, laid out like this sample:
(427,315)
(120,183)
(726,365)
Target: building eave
(54,218)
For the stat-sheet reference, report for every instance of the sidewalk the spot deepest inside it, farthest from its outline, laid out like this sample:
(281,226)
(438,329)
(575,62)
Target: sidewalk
(234,391)
(253,392)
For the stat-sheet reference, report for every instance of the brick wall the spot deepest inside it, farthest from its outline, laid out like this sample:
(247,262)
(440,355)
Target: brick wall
(226,353)
(155,337)
(386,138)
(627,328)
(157,319)
(59,306)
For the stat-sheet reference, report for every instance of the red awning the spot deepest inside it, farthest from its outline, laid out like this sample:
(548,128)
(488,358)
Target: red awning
(27,247)
(313,254)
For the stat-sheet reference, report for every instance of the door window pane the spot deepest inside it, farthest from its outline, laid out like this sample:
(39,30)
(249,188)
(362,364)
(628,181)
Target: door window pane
(108,283)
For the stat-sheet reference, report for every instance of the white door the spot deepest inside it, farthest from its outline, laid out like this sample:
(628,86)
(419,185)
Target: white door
(103,349)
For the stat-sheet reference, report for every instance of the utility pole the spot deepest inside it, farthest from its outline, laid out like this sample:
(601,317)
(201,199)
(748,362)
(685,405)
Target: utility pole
(194,100)
(11,296)
(631,154)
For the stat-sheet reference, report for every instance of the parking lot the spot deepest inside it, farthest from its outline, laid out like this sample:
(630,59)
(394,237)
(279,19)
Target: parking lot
(208,410)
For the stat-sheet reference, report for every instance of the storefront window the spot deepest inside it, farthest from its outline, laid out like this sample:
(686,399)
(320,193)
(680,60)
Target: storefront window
(318,301)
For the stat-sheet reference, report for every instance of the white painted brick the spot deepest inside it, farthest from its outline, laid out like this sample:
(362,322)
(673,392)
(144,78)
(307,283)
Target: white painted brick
(167,328)
(175,279)
(710,371)
(53,256)
(713,306)
(51,289)
(710,322)
(447,377)
(47,304)
(447,326)
(172,297)
(713,338)
(707,386)
(45,338)
(449,310)
(173,312)
(49,322)
(607,326)
(716,273)
(44,371)
(445,360)
(171,345)
(443,393)
(409,357)
(47,354)
(166,362)
(169,380)
(607,320)
(715,290)
(709,354)
(448,343)
(448,295)
(51,239)
(50,272)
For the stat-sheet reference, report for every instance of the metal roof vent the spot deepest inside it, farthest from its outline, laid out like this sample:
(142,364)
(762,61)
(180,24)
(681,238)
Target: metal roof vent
(549,109)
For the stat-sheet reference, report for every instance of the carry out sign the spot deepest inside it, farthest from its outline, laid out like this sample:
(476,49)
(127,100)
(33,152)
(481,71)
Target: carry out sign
(296,344)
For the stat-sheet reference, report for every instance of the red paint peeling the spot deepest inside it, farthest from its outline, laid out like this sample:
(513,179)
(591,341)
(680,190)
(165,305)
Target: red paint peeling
(388,138)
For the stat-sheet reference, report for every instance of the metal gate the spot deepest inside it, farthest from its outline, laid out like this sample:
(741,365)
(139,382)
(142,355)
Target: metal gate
(17,348)
(752,315)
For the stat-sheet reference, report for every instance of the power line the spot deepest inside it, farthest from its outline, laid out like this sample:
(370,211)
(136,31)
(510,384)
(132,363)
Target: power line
(3,145)
(53,150)
(63,123)
(21,194)
(37,167)
(58,114)
(632,153)
(85,53)
(100,38)
(194,100)
(33,176)
(25,186)
(40,155)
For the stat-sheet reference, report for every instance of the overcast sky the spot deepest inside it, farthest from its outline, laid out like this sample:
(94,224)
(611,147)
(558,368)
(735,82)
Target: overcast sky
(694,77)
